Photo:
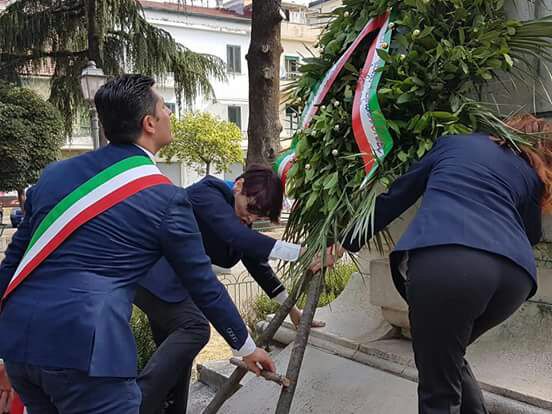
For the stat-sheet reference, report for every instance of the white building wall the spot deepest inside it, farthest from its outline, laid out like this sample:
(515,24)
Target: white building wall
(210,35)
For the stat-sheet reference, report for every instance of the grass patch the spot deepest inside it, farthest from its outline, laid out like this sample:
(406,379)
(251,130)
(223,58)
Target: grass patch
(145,346)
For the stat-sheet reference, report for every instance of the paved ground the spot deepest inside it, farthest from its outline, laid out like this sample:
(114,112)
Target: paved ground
(329,384)
(200,396)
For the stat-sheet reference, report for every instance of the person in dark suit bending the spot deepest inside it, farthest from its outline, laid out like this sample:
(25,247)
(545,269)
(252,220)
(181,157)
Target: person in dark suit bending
(224,210)
(465,263)
(94,225)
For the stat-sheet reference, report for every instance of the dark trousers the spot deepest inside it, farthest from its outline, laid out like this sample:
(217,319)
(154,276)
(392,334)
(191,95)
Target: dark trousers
(456,294)
(180,332)
(68,391)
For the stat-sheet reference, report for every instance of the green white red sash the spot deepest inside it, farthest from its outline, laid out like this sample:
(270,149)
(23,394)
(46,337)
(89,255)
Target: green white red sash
(101,192)
(369,126)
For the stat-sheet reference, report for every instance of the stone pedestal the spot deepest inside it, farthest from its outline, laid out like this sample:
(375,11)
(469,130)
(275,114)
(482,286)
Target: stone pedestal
(384,294)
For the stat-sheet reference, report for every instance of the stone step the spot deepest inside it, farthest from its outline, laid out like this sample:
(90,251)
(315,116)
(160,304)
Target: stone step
(214,373)
(328,384)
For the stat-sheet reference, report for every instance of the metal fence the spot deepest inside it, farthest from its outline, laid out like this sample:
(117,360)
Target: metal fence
(242,289)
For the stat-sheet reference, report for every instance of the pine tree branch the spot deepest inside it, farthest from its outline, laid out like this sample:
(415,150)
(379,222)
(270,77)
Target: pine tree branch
(6,57)
(75,7)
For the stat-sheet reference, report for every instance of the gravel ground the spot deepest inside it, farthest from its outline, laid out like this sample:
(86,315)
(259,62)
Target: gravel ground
(217,349)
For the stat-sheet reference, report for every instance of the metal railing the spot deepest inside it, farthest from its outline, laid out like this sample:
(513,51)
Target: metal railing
(242,289)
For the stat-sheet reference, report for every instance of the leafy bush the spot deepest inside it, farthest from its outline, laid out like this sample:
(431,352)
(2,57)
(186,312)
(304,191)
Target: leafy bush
(145,346)
(30,138)
(335,282)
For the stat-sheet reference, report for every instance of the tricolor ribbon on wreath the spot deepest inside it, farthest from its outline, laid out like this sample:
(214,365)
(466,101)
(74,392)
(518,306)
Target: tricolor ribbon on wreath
(369,126)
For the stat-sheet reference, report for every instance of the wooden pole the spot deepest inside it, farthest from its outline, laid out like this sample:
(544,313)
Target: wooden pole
(233,383)
(300,345)
(267,375)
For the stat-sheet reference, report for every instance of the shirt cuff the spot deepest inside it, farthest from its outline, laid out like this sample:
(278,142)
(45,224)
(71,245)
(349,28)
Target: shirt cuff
(283,250)
(281,297)
(247,348)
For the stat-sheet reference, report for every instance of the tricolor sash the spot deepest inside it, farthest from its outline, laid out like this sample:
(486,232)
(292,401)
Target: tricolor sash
(17,406)
(101,192)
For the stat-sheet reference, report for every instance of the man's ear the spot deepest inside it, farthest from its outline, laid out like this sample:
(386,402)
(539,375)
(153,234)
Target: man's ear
(148,124)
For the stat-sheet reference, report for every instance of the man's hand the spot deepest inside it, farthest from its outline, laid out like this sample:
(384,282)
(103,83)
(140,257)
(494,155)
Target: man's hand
(6,391)
(259,360)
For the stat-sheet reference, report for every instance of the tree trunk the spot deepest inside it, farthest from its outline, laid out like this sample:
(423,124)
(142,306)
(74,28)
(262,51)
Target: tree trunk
(21,198)
(95,20)
(207,168)
(95,13)
(263,65)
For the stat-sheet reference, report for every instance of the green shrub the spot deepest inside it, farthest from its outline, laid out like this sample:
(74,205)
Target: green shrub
(31,136)
(145,346)
(335,282)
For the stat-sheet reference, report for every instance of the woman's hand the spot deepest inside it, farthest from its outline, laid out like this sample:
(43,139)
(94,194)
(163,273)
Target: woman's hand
(331,257)
(6,391)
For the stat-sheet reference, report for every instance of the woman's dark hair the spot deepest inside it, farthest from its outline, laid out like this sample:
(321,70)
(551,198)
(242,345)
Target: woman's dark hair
(264,188)
(122,104)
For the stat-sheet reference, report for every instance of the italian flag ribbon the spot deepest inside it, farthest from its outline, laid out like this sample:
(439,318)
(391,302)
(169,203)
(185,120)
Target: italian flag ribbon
(101,192)
(284,163)
(369,126)
(321,90)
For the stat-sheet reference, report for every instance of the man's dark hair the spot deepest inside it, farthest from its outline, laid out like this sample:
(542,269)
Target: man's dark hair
(122,104)
(264,187)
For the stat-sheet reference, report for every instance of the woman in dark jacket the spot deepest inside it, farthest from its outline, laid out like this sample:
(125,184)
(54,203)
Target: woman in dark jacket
(465,264)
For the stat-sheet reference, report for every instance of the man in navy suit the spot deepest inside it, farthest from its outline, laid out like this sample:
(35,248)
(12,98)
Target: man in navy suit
(224,211)
(64,330)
